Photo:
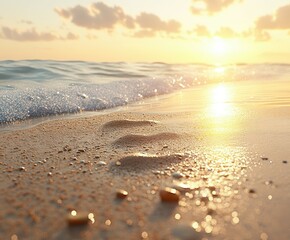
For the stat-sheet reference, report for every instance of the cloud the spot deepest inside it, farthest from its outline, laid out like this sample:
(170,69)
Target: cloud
(154,23)
(71,36)
(226,32)
(280,20)
(222,32)
(32,35)
(29,35)
(210,6)
(262,36)
(99,16)
(256,34)
(229,33)
(202,31)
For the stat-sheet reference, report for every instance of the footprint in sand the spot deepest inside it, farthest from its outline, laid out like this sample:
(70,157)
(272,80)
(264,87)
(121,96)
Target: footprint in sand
(138,140)
(141,162)
(117,124)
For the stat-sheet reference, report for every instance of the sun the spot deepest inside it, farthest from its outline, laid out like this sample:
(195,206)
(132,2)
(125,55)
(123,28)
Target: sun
(221,51)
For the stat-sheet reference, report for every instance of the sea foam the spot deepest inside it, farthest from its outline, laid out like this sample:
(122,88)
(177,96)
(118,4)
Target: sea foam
(30,89)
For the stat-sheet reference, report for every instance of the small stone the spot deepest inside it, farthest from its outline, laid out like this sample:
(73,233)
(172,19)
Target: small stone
(211,188)
(108,222)
(101,163)
(121,194)
(252,190)
(49,174)
(285,161)
(22,169)
(118,163)
(14,237)
(169,195)
(270,182)
(84,96)
(264,158)
(78,218)
(177,175)
(144,235)
(182,187)
(129,222)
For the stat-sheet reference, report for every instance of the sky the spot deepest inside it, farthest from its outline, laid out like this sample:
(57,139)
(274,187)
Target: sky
(173,31)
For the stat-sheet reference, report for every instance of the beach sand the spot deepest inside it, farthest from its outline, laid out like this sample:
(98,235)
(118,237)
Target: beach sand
(229,160)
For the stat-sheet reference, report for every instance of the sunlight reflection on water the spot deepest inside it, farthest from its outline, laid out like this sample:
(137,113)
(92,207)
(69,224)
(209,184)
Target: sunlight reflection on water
(221,113)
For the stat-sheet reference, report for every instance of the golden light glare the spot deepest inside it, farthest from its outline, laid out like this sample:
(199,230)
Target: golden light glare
(73,213)
(219,70)
(219,107)
(220,94)
(218,46)
(221,113)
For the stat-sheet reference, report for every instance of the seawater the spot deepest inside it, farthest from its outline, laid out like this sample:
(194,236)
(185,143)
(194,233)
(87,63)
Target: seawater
(40,88)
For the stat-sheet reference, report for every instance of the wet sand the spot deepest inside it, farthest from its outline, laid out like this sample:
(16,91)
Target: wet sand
(230,170)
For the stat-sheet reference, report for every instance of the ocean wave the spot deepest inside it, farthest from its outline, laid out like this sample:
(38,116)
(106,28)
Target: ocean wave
(34,88)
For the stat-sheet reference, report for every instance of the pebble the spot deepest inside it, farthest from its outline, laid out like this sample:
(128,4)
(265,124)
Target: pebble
(264,158)
(80,150)
(118,163)
(78,218)
(101,163)
(22,169)
(270,182)
(182,187)
(169,195)
(252,190)
(285,161)
(211,188)
(84,96)
(121,194)
(177,175)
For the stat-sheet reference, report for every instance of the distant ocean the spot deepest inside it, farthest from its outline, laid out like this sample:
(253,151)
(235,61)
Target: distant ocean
(39,88)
